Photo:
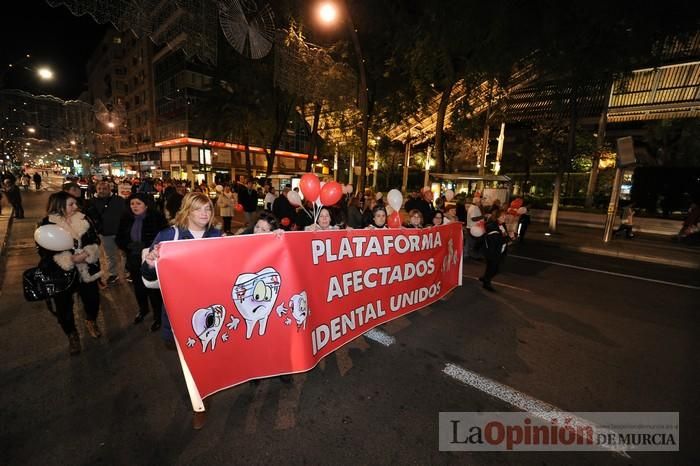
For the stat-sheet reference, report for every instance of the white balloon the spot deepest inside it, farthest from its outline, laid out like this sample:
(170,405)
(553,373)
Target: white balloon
(349,188)
(219,188)
(294,198)
(395,199)
(449,195)
(53,238)
(477,231)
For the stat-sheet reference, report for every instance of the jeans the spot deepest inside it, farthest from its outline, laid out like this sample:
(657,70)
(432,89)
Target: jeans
(112,254)
(19,210)
(166,329)
(143,294)
(63,303)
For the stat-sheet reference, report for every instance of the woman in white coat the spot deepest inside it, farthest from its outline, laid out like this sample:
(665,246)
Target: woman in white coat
(226,203)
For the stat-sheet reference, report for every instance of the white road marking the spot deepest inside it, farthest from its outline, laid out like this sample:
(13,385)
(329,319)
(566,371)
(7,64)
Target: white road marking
(502,284)
(380,337)
(513,397)
(616,274)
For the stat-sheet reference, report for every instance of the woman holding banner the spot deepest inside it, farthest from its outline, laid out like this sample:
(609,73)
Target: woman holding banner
(192,221)
(324,221)
(378,218)
(415,219)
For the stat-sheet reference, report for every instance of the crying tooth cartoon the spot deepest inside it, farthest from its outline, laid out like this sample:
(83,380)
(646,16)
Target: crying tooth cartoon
(300,309)
(207,323)
(254,295)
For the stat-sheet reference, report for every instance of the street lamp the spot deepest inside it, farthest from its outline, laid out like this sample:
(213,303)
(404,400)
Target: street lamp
(45,73)
(328,13)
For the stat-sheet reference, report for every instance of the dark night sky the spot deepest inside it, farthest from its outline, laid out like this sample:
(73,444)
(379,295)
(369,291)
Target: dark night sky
(55,38)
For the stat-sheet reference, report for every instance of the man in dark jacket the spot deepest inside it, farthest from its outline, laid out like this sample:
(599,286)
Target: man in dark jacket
(248,197)
(425,205)
(282,209)
(106,210)
(37,181)
(494,247)
(13,197)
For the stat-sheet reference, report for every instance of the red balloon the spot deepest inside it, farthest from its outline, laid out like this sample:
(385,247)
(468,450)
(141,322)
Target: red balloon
(310,186)
(394,220)
(331,193)
(239,207)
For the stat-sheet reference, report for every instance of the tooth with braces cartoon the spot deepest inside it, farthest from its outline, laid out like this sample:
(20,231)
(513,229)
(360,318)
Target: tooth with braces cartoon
(254,295)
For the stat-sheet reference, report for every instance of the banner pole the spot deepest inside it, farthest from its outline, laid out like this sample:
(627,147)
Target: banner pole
(195,397)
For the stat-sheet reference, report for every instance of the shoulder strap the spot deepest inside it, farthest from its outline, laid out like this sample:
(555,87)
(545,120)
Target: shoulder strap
(177,233)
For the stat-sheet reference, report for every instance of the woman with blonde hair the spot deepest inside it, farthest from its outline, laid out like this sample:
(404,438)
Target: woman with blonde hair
(192,221)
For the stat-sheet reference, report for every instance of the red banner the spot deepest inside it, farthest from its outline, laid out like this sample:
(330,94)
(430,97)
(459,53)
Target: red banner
(246,307)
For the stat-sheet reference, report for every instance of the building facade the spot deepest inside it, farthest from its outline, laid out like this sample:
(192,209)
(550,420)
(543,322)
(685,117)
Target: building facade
(44,127)
(120,89)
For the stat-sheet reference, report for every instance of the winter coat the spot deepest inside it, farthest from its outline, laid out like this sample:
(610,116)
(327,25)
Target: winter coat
(494,240)
(282,208)
(85,238)
(226,203)
(249,199)
(153,223)
(355,217)
(106,213)
(168,234)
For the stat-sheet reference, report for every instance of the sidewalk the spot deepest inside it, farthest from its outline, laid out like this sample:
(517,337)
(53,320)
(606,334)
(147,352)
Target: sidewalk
(5,224)
(644,247)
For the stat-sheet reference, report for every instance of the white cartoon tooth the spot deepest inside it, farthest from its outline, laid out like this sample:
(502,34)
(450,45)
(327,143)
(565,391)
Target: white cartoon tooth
(300,308)
(207,323)
(254,295)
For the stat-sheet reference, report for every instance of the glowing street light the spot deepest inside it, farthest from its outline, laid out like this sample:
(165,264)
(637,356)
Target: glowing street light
(31,130)
(111,124)
(72,142)
(45,73)
(328,13)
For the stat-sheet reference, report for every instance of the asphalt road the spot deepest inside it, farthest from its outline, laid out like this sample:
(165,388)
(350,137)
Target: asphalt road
(581,340)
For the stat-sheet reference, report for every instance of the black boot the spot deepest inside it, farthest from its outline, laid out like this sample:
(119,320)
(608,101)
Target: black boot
(74,343)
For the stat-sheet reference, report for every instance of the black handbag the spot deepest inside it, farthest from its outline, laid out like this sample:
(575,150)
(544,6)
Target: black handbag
(40,285)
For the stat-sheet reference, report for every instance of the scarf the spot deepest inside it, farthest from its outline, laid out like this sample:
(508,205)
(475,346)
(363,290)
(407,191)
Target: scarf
(137,227)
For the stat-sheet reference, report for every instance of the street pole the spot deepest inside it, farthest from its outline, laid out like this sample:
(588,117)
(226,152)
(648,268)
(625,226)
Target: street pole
(612,207)
(363,98)
(406,160)
(352,168)
(485,141)
(335,164)
(625,158)
(376,167)
(427,166)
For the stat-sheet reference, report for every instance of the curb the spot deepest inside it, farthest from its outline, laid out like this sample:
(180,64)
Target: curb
(5,225)
(695,265)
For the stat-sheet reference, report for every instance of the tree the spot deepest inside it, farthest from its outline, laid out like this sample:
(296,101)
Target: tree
(580,47)
(471,43)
